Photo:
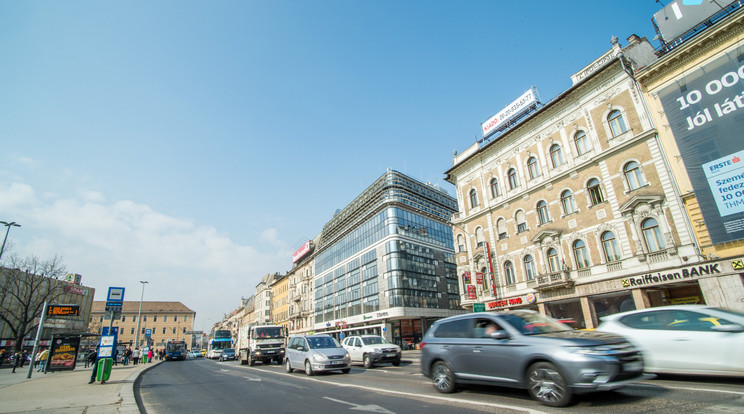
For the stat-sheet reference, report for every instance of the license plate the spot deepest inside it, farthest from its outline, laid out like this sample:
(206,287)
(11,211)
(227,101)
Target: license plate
(633,366)
(390,355)
(334,362)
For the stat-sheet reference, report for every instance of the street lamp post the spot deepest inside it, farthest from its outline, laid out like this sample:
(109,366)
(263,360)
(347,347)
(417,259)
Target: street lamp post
(8,225)
(139,314)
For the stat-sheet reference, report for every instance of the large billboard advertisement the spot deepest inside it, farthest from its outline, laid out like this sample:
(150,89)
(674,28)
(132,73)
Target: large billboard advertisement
(680,16)
(705,110)
(524,103)
(63,353)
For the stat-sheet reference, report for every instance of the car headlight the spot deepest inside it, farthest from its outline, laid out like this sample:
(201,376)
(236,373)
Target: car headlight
(596,350)
(319,358)
(347,357)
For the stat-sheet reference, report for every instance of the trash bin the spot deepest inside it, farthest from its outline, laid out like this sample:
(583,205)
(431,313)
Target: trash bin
(103,371)
(144,359)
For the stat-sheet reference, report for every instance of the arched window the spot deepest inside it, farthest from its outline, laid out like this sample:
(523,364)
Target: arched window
(509,272)
(494,187)
(460,243)
(529,267)
(553,261)
(595,191)
(582,143)
(542,211)
(533,168)
(633,175)
(567,200)
(581,254)
(473,198)
(513,182)
(556,155)
(479,236)
(521,221)
(652,235)
(609,245)
(617,123)
(501,227)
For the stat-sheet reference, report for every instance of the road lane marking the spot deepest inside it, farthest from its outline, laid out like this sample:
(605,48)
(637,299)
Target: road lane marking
(408,394)
(674,388)
(369,407)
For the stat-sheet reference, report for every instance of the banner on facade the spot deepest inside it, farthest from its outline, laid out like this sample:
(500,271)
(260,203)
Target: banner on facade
(63,354)
(705,110)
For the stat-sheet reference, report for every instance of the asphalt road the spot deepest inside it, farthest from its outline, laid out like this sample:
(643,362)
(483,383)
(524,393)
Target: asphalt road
(207,386)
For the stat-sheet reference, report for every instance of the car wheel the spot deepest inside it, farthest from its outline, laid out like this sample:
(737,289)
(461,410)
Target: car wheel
(396,363)
(443,378)
(288,366)
(547,386)
(367,361)
(308,368)
(346,370)
(251,361)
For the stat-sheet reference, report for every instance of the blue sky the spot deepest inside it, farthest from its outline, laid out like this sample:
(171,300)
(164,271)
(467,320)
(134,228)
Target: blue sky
(197,144)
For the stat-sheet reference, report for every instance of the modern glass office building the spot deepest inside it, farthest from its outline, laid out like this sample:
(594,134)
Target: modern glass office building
(385,263)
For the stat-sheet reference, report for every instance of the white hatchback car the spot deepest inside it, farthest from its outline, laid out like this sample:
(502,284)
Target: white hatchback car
(371,349)
(684,339)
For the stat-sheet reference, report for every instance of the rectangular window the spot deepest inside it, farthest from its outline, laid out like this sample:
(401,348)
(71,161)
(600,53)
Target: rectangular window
(185,318)
(175,318)
(163,330)
(155,318)
(165,318)
(174,330)
(144,318)
(123,318)
(134,319)
(131,332)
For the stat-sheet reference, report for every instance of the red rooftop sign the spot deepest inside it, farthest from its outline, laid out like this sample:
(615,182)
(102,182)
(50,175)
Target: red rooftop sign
(299,254)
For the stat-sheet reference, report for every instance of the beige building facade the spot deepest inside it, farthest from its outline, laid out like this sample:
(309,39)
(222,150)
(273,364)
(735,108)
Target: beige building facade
(705,68)
(162,320)
(280,302)
(301,290)
(571,208)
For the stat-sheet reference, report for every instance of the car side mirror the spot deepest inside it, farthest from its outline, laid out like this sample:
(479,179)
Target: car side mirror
(302,349)
(733,328)
(499,335)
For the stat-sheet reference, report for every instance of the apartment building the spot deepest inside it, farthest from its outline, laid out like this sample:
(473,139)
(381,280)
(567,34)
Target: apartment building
(160,322)
(568,207)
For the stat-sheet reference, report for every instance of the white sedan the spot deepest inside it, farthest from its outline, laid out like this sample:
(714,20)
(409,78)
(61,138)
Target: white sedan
(684,339)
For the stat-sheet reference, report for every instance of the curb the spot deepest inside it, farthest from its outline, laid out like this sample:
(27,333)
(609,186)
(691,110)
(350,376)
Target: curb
(129,402)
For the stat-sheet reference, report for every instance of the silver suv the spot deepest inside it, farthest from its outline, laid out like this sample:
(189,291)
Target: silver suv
(523,349)
(316,353)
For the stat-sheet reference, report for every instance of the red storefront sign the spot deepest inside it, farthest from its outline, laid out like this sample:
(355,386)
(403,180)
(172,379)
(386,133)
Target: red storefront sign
(504,302)
(471,291)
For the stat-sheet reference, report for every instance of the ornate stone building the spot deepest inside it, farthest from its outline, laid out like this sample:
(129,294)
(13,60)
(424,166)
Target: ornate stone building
(565,211)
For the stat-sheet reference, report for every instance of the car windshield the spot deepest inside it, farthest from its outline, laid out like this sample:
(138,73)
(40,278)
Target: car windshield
(374,340)
(271,332)
(730,312)
(228,351)
(529,323)
(323,342)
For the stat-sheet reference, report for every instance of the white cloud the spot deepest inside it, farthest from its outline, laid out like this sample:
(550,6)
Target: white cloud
(119,243)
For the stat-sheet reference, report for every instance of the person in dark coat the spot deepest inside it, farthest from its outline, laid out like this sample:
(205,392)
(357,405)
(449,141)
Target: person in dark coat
(17,361)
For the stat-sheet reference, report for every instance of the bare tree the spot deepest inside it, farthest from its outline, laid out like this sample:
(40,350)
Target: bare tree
(25,284)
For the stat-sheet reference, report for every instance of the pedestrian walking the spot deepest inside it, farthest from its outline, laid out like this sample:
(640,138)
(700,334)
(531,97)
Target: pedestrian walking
(24,357)
(149,355)
(90,357)
(43,355)
(16,360)
(3,355)
(136,355)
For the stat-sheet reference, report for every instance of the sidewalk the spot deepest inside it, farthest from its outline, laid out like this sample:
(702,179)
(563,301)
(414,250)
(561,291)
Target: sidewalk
(69,392)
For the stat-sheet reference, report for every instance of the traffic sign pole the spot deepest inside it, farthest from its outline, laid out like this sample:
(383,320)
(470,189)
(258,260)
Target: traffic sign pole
(36,342)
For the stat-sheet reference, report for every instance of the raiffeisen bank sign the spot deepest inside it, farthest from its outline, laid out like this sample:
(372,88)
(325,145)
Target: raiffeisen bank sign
(685,273)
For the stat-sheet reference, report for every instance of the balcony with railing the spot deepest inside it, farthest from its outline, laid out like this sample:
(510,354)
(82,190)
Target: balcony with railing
(554,280)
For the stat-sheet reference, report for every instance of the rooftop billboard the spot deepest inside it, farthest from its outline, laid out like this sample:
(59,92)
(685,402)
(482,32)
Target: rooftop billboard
(524,103)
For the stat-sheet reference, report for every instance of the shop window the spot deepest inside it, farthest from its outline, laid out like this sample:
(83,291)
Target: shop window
(568,203)
(581,254)
(652,235)
(595,191)
(473,198)
(617,123)
(542,212)
(633,175)
(533,168)
(529,267)
(494,188)
(512,176)
(553,261)
(610,247)
(582,143)
(556,155)
(509,272)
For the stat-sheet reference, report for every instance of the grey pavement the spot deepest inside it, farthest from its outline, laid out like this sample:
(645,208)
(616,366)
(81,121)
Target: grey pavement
(69,392)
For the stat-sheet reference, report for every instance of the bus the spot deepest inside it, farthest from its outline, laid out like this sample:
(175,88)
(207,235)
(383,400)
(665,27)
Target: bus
(175,350)
(221,339)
